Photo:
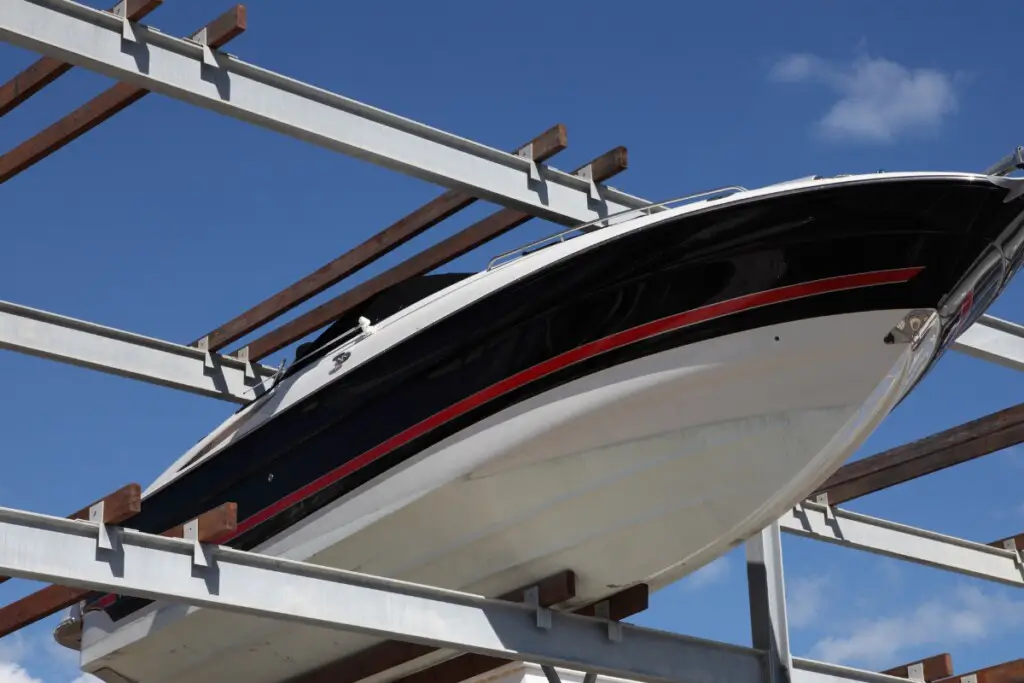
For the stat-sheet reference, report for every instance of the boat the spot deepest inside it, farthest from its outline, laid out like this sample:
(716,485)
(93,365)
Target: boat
(628,399)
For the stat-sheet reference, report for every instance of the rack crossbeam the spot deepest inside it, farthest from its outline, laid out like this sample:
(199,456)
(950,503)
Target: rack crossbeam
(191,72)
(70,552)
(891,539)
(85,344)
(995,340)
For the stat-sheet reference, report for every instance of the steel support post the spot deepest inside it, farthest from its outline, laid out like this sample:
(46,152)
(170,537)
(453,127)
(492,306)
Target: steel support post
(766,587)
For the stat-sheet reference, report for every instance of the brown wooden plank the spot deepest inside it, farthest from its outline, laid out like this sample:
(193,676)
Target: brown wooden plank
(621,605)
(46,70)
(432,257)
(935,667)
(103,107)
(213,525)
(122,504)
(545,145)
(376,659)
(951,447)
(1007,672)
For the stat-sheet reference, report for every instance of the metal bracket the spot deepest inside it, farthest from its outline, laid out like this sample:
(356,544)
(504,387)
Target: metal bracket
(190,532)
(822,499)
(1011,545)
(200,38)
(243,355)
(531,596)
(602,610)
(103,539)
(526,152)
(915,672)
(587,173)
(127,31)
(204,346)
(970,678)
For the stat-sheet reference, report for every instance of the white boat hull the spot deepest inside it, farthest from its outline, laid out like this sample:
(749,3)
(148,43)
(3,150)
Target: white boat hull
(643,472)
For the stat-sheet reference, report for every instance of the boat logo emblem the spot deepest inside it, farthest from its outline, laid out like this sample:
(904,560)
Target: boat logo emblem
(339,360)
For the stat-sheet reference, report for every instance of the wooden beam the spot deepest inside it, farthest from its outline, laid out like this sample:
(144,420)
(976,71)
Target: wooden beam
(953,446)
(620,606)
(119,506)
(435,256)
(544,146)
(933,668)
(379,658)
(104,106)
(46,70)
(213,525)
(1007,672)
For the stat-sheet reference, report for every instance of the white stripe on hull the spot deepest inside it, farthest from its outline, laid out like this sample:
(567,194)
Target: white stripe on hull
(642,472)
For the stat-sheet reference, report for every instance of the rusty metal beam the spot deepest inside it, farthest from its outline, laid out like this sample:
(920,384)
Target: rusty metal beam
(542,147)
(212,526)
(619,606)
(46,70)
(928,670)
(1007,672)
(104,106)
(951,447)
(119,506)
(379,658)
(435,256)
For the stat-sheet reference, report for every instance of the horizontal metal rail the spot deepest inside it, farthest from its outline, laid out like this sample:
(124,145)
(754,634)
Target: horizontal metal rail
(126,354)
(995,340)
(899,541)
(190,71)
(127,562)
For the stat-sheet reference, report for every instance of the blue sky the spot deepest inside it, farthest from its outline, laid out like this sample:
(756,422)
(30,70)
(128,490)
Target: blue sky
(168,220)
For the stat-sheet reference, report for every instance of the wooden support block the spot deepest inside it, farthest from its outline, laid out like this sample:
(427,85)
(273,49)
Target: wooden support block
(376,659)
(119,506)
(104,106)
(928,670)
(1007,672)
(46,70)
(544,146)
(435,256)
(122,504)
(17,615)
(214,525)
(620,606)
(951,447)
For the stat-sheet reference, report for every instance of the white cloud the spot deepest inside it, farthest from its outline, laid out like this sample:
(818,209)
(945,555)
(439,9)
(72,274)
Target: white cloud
(966,615)
(878,99)
(805,598)
(709,574)
(22,657)
(14,673)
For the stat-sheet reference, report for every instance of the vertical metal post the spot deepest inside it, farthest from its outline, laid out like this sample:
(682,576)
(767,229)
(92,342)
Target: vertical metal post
(768,626)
